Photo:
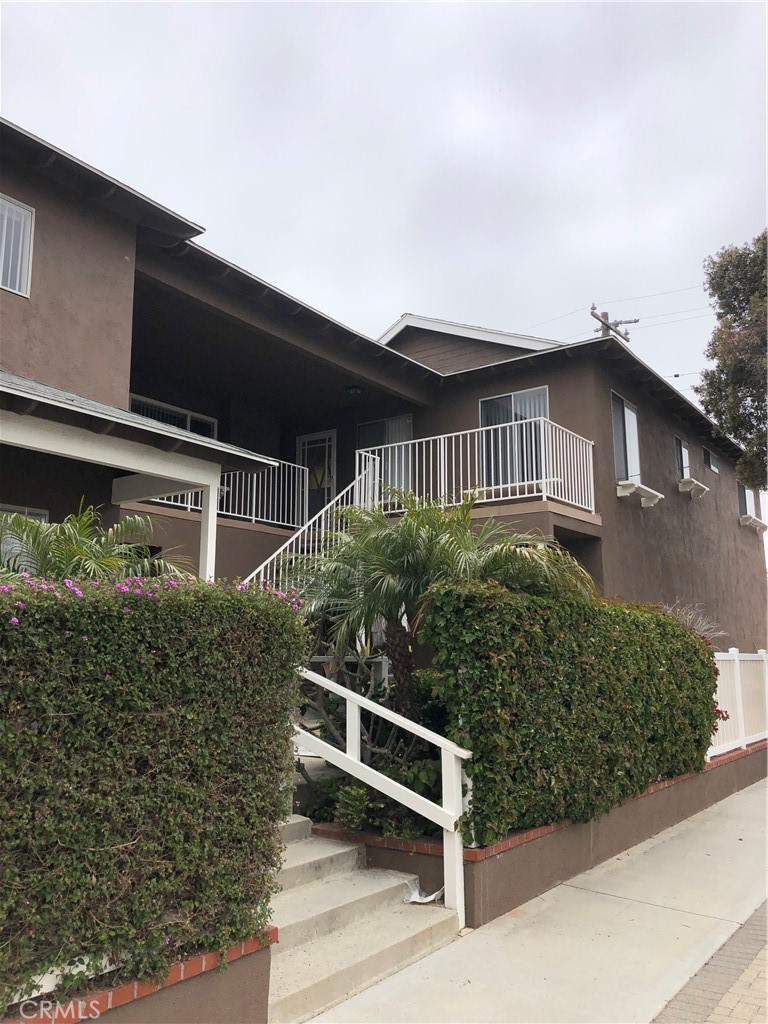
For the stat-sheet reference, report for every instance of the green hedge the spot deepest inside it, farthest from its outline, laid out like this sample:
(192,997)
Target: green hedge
(569,707)
(144,756)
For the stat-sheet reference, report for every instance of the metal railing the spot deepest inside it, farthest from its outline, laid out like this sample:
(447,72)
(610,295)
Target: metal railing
(742,691)
(446,814)
(277,496)
(533,458)
(313,537)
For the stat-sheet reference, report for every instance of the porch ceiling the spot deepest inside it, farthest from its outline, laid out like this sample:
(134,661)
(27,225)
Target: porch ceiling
(177,336)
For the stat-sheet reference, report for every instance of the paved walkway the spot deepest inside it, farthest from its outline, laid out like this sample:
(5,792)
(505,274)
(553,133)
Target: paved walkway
(729,987)
(614,945)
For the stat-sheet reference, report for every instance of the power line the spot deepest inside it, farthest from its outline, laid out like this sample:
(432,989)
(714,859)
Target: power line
(631,298)
(647,327)
(634,298)
(581,309)
(674,312)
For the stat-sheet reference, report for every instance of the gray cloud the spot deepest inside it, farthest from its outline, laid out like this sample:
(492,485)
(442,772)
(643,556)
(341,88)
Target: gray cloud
(498,164)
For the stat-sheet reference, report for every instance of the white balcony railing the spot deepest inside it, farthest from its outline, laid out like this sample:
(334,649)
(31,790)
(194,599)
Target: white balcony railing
(533,458)
(277,496)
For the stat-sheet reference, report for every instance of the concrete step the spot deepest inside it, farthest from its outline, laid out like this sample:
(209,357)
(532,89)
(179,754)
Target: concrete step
(306,912)
(297,827)
(314,976)
(309,860)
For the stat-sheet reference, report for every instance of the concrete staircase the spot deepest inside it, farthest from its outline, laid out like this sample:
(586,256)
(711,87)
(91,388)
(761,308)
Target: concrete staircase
(342,927)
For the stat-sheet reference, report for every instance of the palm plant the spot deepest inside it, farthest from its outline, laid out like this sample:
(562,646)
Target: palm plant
(379,566)
(80,548)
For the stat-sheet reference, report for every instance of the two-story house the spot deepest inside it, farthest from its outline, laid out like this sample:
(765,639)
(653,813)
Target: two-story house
(141,372)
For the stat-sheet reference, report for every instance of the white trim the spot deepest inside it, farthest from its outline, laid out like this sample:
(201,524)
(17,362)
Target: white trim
(510,394)
(648,497)
(215,450)
(758,524)
(189,413)
(465,331)
(329,435)
(25,510)
(31,210)
(712,455)
(689,485)
(146,461)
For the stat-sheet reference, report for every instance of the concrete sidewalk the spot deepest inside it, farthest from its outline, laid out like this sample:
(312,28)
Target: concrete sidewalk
(613,945)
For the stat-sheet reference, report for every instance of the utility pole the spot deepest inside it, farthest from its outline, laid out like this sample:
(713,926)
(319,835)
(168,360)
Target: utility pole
(610,328)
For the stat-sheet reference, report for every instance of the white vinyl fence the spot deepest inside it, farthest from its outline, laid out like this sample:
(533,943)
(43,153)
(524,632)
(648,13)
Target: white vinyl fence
(742,691)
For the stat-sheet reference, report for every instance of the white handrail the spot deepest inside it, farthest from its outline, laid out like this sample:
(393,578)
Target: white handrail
(311,538)
(277,495)
(532,458)
(447,815)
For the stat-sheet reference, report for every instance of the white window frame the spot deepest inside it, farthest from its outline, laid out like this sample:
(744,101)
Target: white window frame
(28,282)
(713,461)
(510,394)
(750,507)
(631,477)
(682,454)
(24,510)
(189,413)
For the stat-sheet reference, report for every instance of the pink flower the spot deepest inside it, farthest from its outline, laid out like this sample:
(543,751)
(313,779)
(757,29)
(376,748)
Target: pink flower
(20,604)
(13,620)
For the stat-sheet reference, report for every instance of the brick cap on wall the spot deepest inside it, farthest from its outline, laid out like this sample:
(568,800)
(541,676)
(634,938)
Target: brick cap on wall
(434,847)
(100,1001)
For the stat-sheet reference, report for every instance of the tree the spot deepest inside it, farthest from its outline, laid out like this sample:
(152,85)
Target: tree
(379,566)
(79,548)
(733,393)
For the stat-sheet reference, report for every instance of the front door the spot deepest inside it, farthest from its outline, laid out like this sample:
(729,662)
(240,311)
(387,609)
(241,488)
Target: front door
(318,453)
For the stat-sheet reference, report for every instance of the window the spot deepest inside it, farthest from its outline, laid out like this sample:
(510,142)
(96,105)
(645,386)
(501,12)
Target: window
(10,548)
(395,461)
(513,452)
(205,426)
(747,505)
(711,461)
(626,447)
(16,224)
(683,462)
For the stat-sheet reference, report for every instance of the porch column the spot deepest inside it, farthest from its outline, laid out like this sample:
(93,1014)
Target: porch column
(208,532)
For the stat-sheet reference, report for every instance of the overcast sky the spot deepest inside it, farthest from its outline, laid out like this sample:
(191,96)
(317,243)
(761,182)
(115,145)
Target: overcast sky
(495,164)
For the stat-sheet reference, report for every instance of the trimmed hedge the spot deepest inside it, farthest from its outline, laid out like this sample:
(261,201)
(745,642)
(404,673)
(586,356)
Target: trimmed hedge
(144,758)
(569,707)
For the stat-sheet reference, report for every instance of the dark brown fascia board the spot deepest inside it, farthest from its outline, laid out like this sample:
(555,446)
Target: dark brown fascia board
(90,183)
(635,368)
(217,268)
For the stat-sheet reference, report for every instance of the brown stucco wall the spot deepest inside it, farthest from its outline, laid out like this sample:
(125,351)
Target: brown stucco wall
(571,395)
(238,995)
(448,353)
(506,880)
(692,550)
(74,330)
(240,547)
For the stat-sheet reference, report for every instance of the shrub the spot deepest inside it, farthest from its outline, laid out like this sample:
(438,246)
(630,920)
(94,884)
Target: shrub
(145,757)
(569,707)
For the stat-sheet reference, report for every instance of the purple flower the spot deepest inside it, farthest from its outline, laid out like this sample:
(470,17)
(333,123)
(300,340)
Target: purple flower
(85,639)
(127,611)
(13,620)
(20,604)
(107,676)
